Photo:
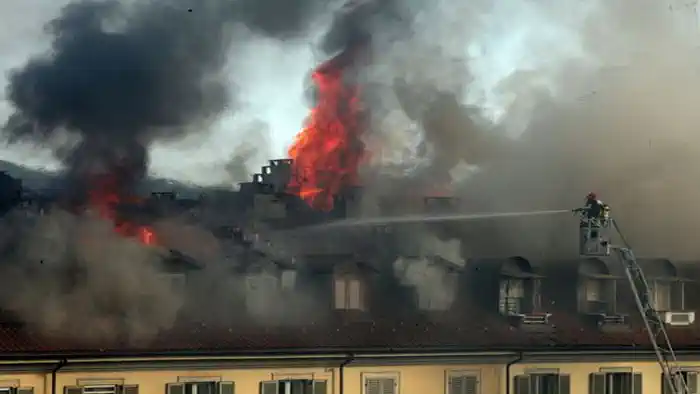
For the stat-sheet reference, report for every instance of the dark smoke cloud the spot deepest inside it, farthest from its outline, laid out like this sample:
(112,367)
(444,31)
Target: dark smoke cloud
(121,77)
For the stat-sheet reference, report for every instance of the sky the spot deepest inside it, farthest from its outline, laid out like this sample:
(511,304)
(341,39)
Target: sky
(510,36)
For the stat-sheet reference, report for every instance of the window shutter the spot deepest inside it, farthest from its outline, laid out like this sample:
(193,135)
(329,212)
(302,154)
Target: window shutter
(173,388)
(268,387)
(340,293)
(388,386)
(227,388)
(677,295)
(25,390)
(456,385)
(380,386)
(74,390)
(692,382)
(130,389)
(470,385)
(320,387)
(596,383)
(637,383)
(354,298)
(564,384)
(522,384)
(373,386)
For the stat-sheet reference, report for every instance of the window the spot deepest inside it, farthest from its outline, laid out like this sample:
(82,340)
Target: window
(615,383)
(288,279)
(512,293)
(594,290)
(294,386)
(462,384)
(102,389)
(690,378)
(545,383)
(16,390)
(348,294)
(660,293)
(381,385)
(201,388)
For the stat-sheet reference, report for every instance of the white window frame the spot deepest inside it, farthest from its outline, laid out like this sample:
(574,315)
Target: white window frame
(476,374)
(343,288)
(381,375)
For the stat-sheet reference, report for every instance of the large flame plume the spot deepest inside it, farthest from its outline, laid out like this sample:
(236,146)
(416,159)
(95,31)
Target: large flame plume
(327,152)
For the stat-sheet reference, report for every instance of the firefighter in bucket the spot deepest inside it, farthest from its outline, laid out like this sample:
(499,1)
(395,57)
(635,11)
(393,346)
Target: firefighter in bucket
(594,215)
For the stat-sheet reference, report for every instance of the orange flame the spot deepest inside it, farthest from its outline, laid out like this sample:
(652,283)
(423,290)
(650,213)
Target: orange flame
(105,198)
(327,152)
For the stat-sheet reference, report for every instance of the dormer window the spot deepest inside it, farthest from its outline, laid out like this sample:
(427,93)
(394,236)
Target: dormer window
(519,288)
(512,296)
(597,288)
(666,288)
(348,293)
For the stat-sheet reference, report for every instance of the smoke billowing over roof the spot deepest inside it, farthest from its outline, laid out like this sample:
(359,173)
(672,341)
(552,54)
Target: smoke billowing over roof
(508,113)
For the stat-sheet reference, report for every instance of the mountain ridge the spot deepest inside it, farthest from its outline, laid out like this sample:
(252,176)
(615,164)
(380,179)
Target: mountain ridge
(42,180)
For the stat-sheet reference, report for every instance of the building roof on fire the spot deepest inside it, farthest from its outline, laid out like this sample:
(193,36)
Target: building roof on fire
(582,304)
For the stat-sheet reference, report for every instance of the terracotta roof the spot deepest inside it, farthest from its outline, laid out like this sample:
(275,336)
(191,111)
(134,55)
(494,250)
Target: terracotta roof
(469,325)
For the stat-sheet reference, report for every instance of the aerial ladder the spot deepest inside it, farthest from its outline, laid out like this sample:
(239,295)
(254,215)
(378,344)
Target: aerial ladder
(596,241)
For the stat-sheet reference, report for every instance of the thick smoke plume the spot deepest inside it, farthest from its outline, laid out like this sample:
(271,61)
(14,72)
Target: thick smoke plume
(121,75)
(560,103)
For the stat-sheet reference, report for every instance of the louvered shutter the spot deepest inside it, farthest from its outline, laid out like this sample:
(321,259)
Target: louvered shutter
(320,387)
(596,383)
(522,384)
(268,387)
(564,384)
(455,385)
(637,383)
(692,382)
(72,390)
(175,388)
(380,386)
(462,385)
(470,383)
(227,388)
(25,390)
(130,389)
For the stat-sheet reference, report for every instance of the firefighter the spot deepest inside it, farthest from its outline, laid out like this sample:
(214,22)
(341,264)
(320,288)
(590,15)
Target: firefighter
(594,215)
(594,210)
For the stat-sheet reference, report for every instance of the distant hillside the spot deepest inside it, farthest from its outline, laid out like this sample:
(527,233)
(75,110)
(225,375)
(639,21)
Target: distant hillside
(41,180)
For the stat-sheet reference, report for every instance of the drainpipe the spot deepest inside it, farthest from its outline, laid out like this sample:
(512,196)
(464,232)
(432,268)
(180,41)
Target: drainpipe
(510,364)
(341,372)
(58,366)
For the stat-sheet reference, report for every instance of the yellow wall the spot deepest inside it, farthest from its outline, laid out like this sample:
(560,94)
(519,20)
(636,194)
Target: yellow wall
(413,379)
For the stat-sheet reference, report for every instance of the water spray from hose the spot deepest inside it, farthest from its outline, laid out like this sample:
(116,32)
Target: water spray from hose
(435,218)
